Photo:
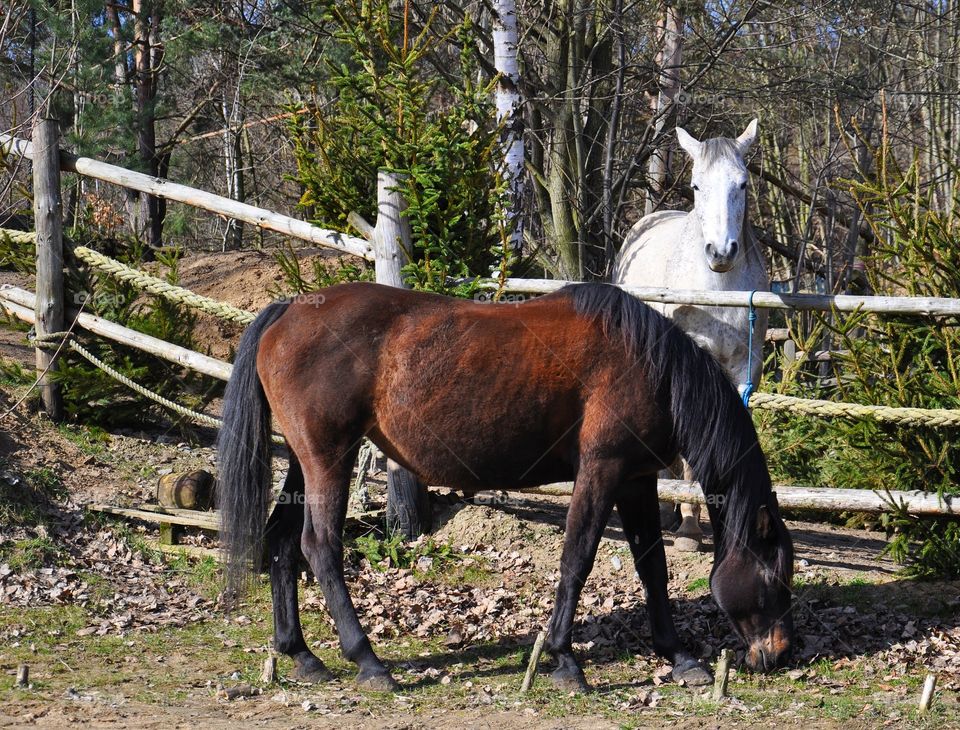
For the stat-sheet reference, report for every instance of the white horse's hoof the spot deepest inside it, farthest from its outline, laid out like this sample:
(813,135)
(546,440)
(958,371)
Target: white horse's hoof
(685,544)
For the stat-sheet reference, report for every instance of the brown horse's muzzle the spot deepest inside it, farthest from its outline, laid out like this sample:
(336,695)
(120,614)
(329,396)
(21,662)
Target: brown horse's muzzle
(771,651)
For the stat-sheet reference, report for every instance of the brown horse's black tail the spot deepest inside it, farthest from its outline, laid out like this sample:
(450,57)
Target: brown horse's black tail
(243,451)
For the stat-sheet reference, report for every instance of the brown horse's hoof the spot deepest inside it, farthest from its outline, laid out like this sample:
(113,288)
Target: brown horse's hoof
(692,672)
(308,668)
(377,682)
(568,681)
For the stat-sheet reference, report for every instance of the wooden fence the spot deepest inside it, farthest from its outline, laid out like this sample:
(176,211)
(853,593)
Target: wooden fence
(387,244)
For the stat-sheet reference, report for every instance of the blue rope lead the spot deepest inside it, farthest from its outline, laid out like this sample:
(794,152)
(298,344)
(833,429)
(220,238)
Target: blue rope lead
(748,386)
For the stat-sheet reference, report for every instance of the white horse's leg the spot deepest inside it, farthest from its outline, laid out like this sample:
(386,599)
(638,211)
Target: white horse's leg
(669,514)
(689,537)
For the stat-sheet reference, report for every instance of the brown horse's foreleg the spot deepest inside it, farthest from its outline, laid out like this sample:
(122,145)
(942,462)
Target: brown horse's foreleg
(327,486)
(640,516)
(283,546)
(590,508)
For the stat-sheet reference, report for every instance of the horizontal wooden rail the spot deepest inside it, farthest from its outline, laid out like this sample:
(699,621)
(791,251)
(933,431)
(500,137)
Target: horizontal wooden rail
(821,499)
(20,303)
(199,199)
(185,518)
(206,520)
(929,306)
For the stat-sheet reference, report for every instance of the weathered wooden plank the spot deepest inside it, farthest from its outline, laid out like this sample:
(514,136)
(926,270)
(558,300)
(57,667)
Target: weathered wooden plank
(823,499)
(940,306)
(199,199)
(23,300)
(203,520)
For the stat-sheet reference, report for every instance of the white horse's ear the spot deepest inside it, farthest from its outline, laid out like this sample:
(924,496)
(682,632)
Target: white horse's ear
(745,141)
(688,143)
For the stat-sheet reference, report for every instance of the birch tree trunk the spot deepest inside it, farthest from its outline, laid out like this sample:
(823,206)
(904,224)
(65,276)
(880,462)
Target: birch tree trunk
(669,60)
(508,99)
(233,166)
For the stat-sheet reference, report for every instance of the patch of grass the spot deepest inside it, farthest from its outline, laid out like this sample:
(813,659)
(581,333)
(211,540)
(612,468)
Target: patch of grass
(91,440)
(30,553)
(698,585)
(46,480)
(26,496)
(423,556)
(475,572)
(203,574)
(98,587)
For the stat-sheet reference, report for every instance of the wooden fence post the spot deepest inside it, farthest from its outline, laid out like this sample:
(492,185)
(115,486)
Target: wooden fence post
(408,501)
(48,222)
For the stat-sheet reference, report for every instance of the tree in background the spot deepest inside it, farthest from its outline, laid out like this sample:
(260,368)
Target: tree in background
(509,114)
(386,112)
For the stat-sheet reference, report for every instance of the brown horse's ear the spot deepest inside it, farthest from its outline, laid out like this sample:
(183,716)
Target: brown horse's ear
(765,526)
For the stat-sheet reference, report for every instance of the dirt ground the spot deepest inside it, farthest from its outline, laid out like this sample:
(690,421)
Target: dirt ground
(118,634)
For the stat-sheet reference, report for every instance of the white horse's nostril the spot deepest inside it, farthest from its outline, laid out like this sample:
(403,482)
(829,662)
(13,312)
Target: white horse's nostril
(733,246)
(710,249)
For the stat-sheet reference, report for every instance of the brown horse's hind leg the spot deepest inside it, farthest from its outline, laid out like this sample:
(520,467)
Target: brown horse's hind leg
(640,517)
(283,545)
(327,486)
(590,507)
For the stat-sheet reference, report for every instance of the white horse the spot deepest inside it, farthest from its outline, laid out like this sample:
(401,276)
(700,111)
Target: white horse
(712,247)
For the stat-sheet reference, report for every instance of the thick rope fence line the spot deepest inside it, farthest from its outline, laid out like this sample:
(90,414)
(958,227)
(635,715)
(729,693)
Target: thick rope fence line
(55,338)
(20,237)
(941,417)
(159,287)
(888,414)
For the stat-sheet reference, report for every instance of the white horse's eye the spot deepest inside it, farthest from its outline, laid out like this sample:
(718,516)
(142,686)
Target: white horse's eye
(743,186)
(695,187)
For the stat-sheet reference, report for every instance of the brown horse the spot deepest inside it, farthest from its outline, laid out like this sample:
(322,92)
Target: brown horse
(586,384)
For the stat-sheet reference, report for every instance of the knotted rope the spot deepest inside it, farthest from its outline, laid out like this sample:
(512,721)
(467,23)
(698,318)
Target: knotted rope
(943,417)
(161,288)
(59,339)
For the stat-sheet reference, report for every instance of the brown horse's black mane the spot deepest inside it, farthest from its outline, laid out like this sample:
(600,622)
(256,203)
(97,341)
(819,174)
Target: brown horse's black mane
(711,428)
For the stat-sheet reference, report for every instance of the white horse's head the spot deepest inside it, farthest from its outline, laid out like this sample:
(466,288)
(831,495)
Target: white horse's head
(719,182)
